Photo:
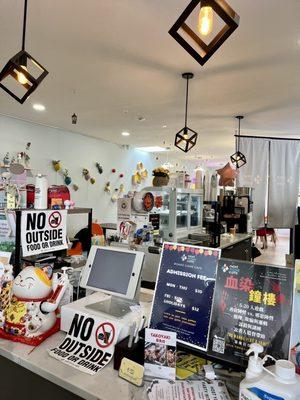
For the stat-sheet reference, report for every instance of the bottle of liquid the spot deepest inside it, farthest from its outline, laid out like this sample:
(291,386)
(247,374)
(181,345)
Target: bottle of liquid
(41,192)
(278,382)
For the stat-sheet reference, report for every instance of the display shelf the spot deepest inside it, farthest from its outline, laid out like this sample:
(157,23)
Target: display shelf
(8,166)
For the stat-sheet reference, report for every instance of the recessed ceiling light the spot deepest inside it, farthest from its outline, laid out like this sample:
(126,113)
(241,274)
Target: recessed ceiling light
(153,149)
(141,119)
(125,134)
(164,126)
(39,107)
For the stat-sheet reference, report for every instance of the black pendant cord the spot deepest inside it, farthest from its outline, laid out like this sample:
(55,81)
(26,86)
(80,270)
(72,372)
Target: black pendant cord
(24,25)
(186,101)
(239,136)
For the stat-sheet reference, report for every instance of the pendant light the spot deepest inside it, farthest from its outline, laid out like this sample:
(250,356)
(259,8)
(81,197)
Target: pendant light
(194,38)
(74,119)
(238,159)
(186,138)
(27,73)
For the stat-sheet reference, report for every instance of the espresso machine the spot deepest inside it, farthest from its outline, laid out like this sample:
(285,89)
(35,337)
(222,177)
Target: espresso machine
(237,209)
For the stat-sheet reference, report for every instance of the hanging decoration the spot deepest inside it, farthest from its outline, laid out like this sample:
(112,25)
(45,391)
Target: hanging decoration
(93,181)
(201,45)
(99,168)
(121,188)
(140,175)
(238,159)
(186,138)
(227,175)
(115,195)
(67,178)
(56,165)
(107,187)
(24,156)
(27,72)
(86,174)
(75,187)
(114,170)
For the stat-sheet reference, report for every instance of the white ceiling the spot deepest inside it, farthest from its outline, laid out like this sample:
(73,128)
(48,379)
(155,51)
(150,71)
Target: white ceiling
(119,58)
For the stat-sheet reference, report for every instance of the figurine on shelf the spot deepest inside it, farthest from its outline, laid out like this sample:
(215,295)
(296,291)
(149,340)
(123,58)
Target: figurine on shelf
(69,204)
(30,316)
(19,158)
(6,160)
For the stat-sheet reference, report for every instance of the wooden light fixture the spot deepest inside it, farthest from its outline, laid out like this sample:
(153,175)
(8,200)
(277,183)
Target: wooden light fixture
(238,159)
(27,73)
(193,42)
(186,138)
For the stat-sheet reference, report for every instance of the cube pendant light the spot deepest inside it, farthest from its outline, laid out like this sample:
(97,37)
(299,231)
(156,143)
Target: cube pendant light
(27,73)
(193,42)
(238,159)
(186,138)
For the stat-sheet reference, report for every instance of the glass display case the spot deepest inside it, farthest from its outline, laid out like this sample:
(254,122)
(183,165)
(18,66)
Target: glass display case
(180,211)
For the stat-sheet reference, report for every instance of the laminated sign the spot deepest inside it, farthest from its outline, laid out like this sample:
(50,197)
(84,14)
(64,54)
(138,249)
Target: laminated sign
(252,304)
(89,344)
(43,231)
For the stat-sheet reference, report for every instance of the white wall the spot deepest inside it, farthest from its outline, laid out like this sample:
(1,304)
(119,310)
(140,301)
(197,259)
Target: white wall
(77,152)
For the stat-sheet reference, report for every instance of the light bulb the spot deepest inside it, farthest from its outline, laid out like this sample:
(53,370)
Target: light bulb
(205,20)
(21,77)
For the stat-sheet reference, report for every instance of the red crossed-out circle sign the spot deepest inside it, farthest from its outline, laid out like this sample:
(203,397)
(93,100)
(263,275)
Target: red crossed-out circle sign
(105,334)
(54,219)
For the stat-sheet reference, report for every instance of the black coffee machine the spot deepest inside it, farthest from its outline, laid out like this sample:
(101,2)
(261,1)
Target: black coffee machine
(236,208)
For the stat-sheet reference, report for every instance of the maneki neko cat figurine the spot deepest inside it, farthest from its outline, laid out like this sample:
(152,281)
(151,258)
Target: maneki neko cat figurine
(31,314)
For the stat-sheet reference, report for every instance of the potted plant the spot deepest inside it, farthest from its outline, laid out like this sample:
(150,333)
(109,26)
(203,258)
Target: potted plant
(161,176)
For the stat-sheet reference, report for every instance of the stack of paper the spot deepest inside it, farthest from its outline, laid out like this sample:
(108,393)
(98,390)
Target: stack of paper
(188,390)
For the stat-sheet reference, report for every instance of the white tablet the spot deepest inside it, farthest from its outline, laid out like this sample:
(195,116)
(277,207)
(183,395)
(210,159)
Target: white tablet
(112,270)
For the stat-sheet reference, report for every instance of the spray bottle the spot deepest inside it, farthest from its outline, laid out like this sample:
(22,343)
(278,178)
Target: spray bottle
(278,382)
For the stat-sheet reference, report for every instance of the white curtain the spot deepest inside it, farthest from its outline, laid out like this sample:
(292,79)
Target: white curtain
(254,174)
(284,183)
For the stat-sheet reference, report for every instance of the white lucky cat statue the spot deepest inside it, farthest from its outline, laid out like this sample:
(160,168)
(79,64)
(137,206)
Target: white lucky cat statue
(31,316)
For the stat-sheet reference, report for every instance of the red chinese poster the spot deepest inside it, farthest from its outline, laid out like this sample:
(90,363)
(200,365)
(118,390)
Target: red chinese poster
(252,303)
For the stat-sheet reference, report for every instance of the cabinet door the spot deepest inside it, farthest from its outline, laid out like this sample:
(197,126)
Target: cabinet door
(195,211)
(182,203)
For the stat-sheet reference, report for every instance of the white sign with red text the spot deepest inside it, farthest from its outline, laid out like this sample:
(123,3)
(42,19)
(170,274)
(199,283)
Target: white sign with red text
(160,354)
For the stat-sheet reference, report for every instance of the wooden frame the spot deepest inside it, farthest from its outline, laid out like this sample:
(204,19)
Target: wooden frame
(224,11)
(13,66)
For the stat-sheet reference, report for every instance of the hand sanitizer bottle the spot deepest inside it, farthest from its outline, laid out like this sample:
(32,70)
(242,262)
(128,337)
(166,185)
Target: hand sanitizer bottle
(278,382)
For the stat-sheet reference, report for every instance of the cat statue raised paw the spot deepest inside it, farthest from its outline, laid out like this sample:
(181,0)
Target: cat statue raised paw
(31,315)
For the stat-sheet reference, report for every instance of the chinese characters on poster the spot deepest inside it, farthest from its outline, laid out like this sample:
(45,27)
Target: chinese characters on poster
(252,303)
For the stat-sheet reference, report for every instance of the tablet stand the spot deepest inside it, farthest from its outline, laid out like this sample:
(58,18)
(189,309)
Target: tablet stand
(113,306)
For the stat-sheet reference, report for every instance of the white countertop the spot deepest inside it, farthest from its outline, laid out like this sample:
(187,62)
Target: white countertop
(229,240)
(105,385)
